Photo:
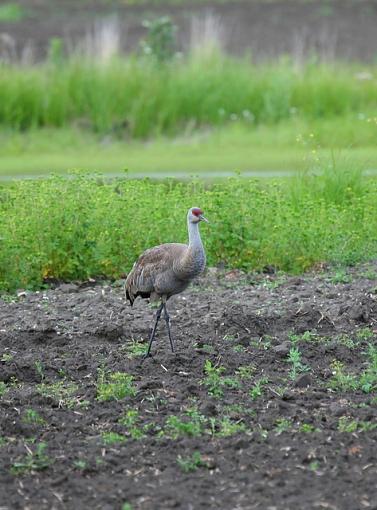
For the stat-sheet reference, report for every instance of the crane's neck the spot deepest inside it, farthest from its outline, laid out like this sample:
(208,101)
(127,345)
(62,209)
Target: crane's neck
(195,242)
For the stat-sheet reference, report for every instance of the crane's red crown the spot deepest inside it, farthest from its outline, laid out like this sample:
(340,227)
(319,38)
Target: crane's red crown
(196,211)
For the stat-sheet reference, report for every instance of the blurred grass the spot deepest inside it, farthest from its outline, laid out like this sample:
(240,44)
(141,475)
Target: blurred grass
(82,226)
(11,12)
(139,98)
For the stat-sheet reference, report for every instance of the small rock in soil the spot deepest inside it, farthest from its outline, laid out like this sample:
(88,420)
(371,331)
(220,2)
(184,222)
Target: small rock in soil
(303,381)
(282,349)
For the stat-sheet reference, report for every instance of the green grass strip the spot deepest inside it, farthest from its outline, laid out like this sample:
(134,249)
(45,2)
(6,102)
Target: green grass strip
(73,228)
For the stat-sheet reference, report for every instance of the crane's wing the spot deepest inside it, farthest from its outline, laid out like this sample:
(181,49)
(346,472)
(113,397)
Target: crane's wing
(153,262)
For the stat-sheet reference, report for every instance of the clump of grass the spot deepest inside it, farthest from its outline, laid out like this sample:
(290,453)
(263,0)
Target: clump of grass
(11,12)
(130,420)
(366,381)
(33,417)
(114,386)
(347,424)
(257,389)
(192,462)
(227,427)
(191,425)
(3,388)
(144,99)
(110,438)
(36,460)
(215,381)
(63,393)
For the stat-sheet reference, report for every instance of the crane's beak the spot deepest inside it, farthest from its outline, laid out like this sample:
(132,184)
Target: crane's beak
(202,218)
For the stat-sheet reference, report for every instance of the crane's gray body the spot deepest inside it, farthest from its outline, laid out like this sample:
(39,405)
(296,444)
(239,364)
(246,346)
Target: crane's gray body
(167,269)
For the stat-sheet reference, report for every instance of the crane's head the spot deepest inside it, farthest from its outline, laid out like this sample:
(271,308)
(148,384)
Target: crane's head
(195,215)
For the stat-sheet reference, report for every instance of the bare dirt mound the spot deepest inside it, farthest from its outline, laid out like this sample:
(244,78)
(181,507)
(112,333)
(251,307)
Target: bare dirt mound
(269,403)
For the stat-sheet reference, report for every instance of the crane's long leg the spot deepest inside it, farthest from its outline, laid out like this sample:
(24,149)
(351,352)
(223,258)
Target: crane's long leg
(167,320)
(151,338)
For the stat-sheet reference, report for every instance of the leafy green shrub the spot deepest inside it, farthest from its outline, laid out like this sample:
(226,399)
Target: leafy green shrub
(82,226)
(115,386)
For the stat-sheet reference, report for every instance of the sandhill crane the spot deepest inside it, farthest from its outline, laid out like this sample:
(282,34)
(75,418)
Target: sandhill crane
(167,269)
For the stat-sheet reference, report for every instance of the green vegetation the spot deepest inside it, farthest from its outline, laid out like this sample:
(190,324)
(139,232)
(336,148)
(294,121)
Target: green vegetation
(36,460)
(32,417)
(134,96)
(111,438)
(257,389)
(224,113)
(365,381)
(217,382)
(192,425)
(131,421)
(80,227)
(11,12)
(3,388)
(115,386)
(62,393)
(192,462)
(347,424)
(297,367)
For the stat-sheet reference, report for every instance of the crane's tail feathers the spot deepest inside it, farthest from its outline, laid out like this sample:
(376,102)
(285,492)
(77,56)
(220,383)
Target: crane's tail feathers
(131,297)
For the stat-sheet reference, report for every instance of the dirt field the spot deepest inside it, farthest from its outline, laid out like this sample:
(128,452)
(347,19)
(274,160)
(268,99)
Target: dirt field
(343,29)
(266,437)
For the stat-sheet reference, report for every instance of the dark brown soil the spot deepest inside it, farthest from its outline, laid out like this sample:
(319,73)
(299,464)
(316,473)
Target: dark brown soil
(344,29)
(291,453)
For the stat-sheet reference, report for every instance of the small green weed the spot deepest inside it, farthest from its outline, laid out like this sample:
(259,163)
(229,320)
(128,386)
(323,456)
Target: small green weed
(6,357)
(110,438)
(191,463)
(80,464)
(347,424)
(366,381)
(263,343)
(114,386)
(130,421)
(192,425)
(364,334)
(314,465)
(257,390)
(228,427)
(39,368)
(136,349)
(245,372)
(3,388)
(282,425)
(62,393)
(215,381)
(33,417)
(294,357)
(340,276)
(307,336)
(36,460)
(307,428)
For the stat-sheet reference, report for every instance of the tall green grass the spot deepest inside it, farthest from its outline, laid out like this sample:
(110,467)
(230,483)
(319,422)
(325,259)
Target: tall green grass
(141,98)
(74,228)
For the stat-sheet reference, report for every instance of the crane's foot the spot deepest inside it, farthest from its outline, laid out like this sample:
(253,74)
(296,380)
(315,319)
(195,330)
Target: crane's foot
(145,356)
